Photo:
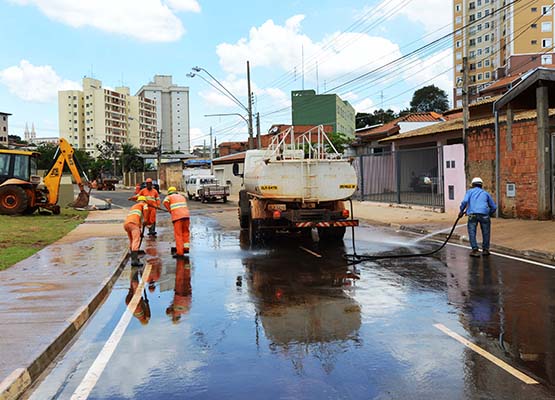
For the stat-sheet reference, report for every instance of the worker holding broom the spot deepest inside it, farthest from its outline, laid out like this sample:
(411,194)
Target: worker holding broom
(153,200)
(176,204)
(133,226)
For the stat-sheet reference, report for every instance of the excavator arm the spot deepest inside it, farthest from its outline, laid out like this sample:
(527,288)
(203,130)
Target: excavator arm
(65,154)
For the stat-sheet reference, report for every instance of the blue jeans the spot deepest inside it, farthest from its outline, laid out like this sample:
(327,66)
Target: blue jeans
(485,226)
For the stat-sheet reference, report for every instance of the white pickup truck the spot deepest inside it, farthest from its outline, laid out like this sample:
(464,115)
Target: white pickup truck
(206,188)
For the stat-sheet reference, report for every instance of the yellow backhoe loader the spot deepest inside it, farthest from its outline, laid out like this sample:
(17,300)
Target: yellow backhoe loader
(21,191)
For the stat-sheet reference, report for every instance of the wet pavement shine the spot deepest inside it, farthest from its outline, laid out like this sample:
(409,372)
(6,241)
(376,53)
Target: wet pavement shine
(276,322)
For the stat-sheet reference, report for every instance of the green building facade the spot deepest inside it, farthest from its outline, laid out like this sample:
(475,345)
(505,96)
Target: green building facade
(309,108)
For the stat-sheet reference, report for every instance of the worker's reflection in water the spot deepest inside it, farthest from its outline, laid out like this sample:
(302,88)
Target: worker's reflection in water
(183,291)
(142,311)
(155,267)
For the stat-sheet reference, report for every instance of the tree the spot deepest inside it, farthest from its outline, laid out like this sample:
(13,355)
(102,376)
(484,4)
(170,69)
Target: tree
(339,140)
(130,158)
(377,117)
(429,98)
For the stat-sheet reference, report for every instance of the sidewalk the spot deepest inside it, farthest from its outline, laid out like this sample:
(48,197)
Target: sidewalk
(531,239)
(46,298)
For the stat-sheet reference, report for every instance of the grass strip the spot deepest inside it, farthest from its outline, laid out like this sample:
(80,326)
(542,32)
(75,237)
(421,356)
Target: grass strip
(22,236)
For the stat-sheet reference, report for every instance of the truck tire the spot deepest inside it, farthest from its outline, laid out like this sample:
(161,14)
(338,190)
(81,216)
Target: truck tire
(244,209)
(253,232)
(225,199)
(334,234)
(190,196)
(13,200)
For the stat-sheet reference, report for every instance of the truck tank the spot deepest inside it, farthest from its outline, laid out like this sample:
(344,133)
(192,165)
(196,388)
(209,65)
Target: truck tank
(304,168)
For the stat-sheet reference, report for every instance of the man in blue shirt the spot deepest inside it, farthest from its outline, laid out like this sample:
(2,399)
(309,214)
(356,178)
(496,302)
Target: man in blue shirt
(479,207)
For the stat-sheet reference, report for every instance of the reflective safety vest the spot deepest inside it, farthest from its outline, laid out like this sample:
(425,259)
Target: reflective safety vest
(177,206)
(136,213)
(152,196)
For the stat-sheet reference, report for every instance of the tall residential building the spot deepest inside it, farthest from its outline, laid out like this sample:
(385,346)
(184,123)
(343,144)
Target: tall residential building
(500,41)
(95,115)
(4,128)
(309,108)
(172,107)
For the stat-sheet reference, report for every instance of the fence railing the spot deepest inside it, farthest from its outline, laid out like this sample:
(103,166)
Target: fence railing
(407,176)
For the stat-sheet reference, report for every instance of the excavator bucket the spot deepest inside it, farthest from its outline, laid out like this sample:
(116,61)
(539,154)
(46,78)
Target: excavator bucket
(82,200)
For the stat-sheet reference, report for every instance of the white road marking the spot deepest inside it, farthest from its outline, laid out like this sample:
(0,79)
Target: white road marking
(539,264)
(93,374)
(500,363)
(310,252)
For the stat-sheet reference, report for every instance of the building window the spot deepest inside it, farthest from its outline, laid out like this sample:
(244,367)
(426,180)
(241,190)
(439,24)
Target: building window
(546,43)
(479,14)
(458,7)
(547,59)
(546,26)
(546,10)
(451,192)
(458,21)
(486,13)
(487,75)
(534,26)
(533,42)
(479,27)
(534,9)
(480,76)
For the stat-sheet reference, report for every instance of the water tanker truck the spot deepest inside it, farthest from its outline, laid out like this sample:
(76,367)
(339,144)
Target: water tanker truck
(298,183)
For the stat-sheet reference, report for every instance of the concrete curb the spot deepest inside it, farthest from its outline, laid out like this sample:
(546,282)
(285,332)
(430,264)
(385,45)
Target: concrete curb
(532,255)
(21,379)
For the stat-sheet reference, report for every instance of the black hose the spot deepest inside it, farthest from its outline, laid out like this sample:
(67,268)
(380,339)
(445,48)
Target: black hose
(354,259)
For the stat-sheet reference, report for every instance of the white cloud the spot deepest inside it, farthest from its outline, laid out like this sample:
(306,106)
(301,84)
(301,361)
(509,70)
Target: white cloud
(365,106)
(146,20)
(184,5)
(431,14)
(272,45)
(37,83)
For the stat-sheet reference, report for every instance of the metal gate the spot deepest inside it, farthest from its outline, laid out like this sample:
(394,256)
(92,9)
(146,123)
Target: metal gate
(412,176)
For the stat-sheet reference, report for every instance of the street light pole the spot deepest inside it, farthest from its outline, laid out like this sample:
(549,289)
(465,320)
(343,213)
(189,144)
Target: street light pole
(159,156)
(249,97)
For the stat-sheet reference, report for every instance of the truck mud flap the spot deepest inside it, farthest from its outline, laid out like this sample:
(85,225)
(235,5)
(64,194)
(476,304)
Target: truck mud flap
(330,224)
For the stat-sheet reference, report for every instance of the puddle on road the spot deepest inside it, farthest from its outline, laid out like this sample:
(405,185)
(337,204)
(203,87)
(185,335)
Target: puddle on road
(231,322)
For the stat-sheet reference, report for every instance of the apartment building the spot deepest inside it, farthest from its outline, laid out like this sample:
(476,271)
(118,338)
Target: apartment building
(499,38)
(4,128)
(95,115)
(172,108)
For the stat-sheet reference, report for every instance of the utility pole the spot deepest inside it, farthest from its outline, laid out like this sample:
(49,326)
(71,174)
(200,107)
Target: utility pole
(159,156)
(259,145)
(211,154)
(249,98)
(465,113)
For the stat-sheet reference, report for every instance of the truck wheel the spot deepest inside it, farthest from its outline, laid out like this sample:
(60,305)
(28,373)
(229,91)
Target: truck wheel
(225,199)
(190,196)
(13,200)
(253,232)
(334,234)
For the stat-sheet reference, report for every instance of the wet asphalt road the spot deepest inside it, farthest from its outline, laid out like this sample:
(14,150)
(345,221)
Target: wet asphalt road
(277,322)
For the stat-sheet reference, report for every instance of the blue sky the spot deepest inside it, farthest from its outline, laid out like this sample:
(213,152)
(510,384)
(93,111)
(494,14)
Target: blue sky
(51,44)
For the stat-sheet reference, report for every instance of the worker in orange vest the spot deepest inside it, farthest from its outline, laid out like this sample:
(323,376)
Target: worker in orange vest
(133,226)
(153,201)
(183,292)
(177,206)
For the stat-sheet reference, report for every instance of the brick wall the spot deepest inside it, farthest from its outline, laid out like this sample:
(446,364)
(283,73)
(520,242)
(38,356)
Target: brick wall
(518,166)
(481,157)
